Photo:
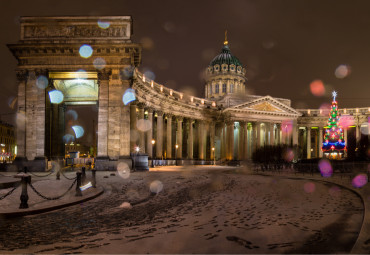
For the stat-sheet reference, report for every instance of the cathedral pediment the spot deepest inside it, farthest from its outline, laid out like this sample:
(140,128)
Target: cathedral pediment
(264,105)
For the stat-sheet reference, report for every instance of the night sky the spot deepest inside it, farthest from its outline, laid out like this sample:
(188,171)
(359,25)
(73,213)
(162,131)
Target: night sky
(284,45)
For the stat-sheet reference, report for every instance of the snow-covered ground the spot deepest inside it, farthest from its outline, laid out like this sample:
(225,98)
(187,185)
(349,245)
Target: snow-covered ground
(196,210)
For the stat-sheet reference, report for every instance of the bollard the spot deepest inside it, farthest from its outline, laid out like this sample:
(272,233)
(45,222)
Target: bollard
(93,171)
(24,196)
(78,185)
(83,176)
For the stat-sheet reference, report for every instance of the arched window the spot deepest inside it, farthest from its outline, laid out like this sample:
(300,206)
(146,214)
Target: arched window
(224,88)
(231,88)
(217,89)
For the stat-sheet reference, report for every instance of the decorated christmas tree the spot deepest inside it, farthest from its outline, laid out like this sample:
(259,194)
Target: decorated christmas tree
(334,144)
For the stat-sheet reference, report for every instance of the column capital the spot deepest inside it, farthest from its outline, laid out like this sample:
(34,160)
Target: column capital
(21,75)
(150,110)
(179,118)
(43,72)
(104,75)
(140,105)
(159,113)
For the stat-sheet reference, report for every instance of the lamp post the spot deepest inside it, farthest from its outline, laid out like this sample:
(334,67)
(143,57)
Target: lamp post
(176,146)
(214,158)
(153,142)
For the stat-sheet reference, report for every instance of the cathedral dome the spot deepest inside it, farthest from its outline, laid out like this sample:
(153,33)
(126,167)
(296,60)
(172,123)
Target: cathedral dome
(225,57)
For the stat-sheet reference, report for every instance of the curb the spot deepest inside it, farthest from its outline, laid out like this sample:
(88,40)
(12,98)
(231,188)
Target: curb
(48,209)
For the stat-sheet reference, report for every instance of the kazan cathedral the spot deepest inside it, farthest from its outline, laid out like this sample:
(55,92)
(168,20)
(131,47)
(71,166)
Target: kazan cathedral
(169,126)
(228,124)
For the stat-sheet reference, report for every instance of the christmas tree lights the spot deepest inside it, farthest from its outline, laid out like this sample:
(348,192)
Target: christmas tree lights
(334,144)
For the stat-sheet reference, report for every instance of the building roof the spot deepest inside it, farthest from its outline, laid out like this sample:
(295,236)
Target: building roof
(225,57)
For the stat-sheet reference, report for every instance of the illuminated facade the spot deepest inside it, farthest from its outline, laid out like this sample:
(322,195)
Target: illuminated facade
(226,125)
(7,142)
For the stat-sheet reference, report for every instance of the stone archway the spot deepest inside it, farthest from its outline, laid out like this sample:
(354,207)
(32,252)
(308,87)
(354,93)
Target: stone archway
(49,47)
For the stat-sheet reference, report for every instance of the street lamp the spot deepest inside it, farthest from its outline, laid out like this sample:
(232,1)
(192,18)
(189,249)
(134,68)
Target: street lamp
(153,142)
(214,158)
(177,146)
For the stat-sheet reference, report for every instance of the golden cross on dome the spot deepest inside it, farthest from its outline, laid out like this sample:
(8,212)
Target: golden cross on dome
(226,42)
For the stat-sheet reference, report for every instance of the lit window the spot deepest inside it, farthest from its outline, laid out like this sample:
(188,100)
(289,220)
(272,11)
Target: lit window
(217,89)
(224,88)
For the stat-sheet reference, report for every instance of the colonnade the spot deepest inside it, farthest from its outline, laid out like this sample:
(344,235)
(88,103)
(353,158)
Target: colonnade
(311,139)
(178,137)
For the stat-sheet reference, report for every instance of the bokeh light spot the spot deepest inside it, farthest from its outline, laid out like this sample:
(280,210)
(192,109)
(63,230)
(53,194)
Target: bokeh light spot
(71,114)
(86,51)
(56,96)
(99,63)
(359,181)
(342,71)
(42,82)
(128,96)
(156,186)
(12,101)
(103,24)
(309,187)
(317,88)
(68,138)
(123,170)
(346,121)
(325,168)
(79,131)
(334,191)
(143,125)
(149,75)
(125,205)
(147,43)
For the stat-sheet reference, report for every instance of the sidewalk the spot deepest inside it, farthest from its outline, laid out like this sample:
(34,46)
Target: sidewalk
(47,186)
(362,244)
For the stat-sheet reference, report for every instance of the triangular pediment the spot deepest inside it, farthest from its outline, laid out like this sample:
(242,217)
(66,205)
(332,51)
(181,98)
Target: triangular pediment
(266,104)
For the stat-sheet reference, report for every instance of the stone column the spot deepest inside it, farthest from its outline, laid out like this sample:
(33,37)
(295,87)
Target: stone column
(200,129)
(212,132)
(133,128)
(40,117)
(230,140)
(258,130)
(246,139)
(140,130)
(31,124)
(253,138)
(190,139)
(241,141)
(21,114)
(358,134)
(159,137)
(308,142)
(115,116)
(149,136)
(124,122)
(169,136)
(320,142)
(103,79)
(272,135)
(283,133)
(179,137)
(295,133)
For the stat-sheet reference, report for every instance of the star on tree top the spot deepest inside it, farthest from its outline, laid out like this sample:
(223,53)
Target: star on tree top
(334,94)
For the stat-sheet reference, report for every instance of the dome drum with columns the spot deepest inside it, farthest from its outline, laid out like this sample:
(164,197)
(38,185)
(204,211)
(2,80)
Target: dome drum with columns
(225,74)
